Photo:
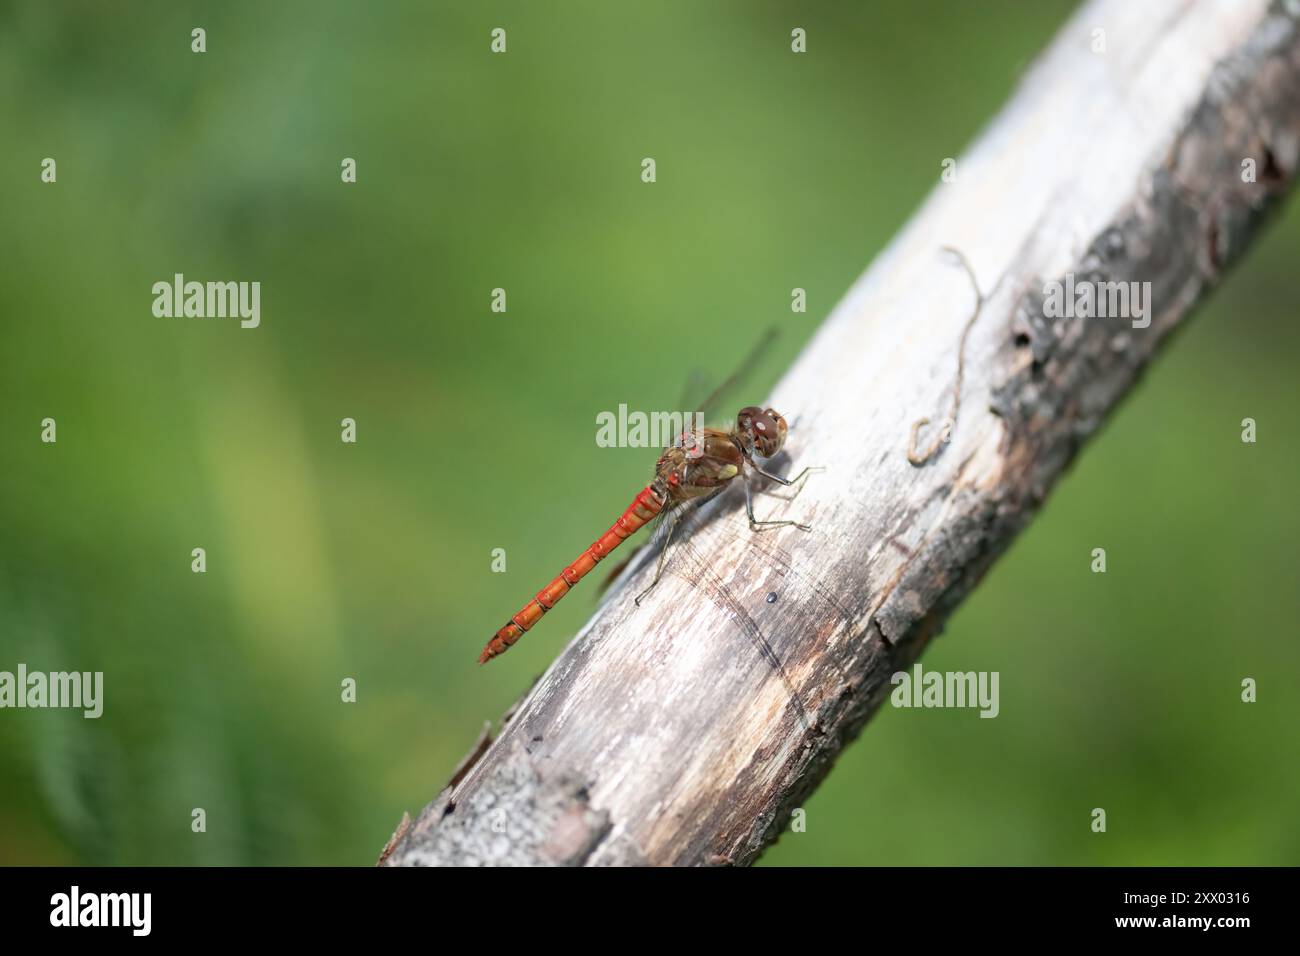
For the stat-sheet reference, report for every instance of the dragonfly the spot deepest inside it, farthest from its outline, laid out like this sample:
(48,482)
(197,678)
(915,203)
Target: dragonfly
(698,466)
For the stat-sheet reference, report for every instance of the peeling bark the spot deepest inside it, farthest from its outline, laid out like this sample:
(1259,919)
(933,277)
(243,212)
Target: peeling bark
(660,736)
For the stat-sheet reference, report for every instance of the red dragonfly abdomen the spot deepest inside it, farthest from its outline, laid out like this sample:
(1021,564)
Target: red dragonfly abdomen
(645,506)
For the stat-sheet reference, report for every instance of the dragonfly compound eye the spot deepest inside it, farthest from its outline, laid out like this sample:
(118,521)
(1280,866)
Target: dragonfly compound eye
(781,425)
(765,427)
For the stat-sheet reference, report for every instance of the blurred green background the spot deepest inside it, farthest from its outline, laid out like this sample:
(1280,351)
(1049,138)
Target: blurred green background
(475,429)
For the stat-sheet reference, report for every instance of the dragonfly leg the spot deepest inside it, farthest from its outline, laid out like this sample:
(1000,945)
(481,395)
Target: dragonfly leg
(663,553)
(755,524)
(788,482)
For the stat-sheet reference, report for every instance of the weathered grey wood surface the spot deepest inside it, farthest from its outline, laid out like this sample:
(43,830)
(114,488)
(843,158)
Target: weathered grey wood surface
(660,735)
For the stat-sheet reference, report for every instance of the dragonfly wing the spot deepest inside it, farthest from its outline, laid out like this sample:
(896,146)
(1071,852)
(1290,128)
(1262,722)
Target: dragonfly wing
(658,531)
(618,569)
(708,405)
(699,571)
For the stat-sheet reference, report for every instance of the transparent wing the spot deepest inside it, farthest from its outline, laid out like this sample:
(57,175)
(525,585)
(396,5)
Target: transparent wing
(684,558)
(709,404)
(650,544)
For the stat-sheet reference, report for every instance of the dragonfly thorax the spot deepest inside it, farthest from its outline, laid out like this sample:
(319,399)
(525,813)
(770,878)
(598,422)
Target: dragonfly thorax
(700,467)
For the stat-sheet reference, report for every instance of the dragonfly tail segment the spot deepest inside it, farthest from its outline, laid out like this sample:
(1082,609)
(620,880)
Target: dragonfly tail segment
(648,503)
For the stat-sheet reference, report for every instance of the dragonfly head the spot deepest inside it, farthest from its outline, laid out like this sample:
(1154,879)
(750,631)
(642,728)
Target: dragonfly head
(763,427)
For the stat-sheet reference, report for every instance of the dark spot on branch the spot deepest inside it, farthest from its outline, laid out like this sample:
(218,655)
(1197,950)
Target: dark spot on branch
(901,548)
(1272,173)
